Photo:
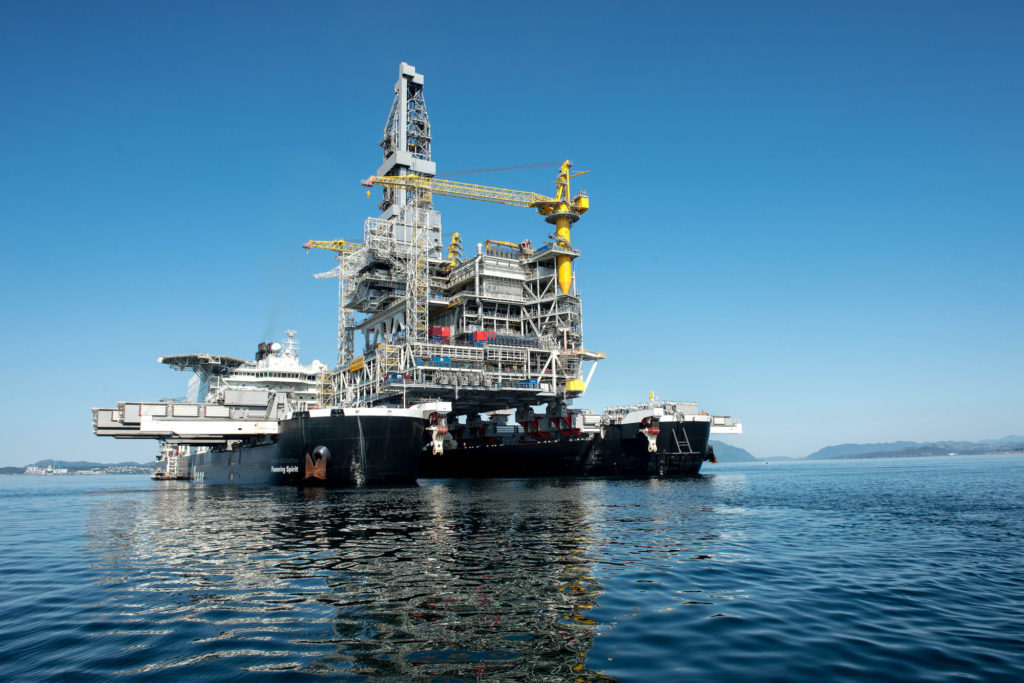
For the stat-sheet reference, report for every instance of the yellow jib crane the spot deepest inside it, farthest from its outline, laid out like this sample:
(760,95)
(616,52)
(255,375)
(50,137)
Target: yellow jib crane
(337,246)
(342,249)
(560,210)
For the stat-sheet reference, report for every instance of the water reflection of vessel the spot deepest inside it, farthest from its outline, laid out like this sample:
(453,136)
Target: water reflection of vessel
(481,580)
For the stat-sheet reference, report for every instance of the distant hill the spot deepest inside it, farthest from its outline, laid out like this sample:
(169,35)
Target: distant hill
(856,450)
(913,449)
(726,453)
(1012,439)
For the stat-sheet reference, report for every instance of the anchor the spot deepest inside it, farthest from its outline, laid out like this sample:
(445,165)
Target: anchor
(316,463)
(438,428)
(650,427)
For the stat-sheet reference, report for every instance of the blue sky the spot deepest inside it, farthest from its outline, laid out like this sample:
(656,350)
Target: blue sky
(806,214)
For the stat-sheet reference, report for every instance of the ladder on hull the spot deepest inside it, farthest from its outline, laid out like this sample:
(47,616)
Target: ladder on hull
(679,461)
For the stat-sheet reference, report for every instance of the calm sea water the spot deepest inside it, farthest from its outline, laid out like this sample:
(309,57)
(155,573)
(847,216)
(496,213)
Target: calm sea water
(884,569)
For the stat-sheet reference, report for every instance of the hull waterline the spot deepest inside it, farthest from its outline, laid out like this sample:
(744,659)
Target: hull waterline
(338,450)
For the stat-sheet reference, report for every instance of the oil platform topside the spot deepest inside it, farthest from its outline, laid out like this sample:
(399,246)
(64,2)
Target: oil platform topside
(498,328)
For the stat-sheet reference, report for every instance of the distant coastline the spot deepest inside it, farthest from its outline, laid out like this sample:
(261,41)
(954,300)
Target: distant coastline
(910,449)
(51,468)
(723,452)
(895,449)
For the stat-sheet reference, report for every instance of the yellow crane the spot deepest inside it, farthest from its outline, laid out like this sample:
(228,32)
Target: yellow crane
(342,249)
(337,246)
(560,210)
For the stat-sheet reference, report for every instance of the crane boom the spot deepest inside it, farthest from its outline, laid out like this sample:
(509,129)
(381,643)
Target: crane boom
(342,249)
(337,246)
(560,210)
(452,188)
(497,195)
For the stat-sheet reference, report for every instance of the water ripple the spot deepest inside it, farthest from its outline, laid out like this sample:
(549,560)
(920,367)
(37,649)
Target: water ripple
(885,570)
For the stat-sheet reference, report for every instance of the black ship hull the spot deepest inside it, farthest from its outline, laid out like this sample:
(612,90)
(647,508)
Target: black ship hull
(554,458)
(334,450)
(682,447)
(618,451)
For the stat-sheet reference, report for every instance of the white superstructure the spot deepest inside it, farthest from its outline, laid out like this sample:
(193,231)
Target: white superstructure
(228,398)
(276,369)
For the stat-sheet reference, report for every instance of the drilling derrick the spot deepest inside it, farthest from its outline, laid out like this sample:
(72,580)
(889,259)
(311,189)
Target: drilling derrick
(406,145)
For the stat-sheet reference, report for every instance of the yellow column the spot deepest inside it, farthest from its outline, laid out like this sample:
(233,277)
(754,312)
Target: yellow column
(564,262)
